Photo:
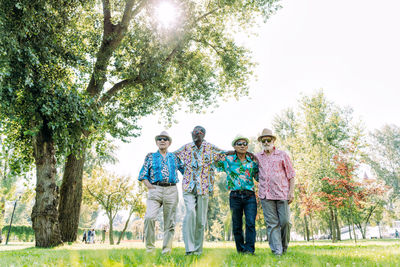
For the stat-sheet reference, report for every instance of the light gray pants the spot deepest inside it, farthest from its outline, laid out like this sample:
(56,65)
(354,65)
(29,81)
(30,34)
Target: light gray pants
(195,221)
(167,197)
(276,216)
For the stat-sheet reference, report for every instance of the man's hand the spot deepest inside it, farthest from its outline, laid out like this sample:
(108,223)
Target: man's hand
(148,185)
(290,198)
(291,190)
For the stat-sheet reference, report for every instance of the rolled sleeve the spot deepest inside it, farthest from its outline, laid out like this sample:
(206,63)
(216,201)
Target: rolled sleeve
(144,173)
(181,166)
(180,152)
(218,154)
(256,172)
(287,164)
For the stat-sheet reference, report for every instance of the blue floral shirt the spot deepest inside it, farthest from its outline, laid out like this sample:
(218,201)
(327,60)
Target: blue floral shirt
(239,175)
(156,168)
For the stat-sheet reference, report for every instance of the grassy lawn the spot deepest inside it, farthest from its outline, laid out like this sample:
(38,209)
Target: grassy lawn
(365,253)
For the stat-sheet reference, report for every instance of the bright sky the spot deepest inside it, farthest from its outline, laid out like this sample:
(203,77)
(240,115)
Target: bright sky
(350,48)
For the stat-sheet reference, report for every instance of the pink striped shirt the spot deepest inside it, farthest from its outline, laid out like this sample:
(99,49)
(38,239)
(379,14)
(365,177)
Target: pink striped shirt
(275,172)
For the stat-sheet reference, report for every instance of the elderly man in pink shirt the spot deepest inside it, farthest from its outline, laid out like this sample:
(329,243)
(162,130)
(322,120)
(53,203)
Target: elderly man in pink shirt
(276,191)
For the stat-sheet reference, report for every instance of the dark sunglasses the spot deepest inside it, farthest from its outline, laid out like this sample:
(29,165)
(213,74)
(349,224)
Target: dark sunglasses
(162,139)
(267,140)
(198,132)
(241,144)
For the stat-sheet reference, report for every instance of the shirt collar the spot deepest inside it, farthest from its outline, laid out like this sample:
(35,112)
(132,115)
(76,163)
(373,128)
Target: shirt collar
(202,144)
(159,154)
(248,159)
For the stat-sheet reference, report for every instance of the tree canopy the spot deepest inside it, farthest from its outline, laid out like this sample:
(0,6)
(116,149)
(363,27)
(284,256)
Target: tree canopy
(74,71)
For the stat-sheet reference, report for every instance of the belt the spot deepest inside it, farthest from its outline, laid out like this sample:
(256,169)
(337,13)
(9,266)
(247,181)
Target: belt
(243,192)
(163,184)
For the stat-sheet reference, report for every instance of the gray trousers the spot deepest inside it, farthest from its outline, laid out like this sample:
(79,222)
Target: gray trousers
(195,221)
(167,197)
(276,216)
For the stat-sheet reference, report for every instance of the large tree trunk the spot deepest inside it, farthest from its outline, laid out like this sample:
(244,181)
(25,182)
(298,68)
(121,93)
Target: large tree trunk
(71,197)
(44,213)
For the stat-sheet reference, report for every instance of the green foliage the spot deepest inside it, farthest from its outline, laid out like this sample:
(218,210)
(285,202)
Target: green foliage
(48,50)
(384,157)
(25,233)
(314,133)
(19,232)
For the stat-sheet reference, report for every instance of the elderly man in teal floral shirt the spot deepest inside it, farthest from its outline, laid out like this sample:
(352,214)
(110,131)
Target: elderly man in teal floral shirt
(241,172)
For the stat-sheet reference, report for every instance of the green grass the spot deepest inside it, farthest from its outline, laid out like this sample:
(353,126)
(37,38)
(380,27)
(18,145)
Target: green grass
(365,253)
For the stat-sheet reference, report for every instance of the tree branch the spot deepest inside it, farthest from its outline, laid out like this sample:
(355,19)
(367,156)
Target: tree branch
(207,43)
(181,41)
(129,12)
(112,37)
(206,15)
(116,88)
(106,13)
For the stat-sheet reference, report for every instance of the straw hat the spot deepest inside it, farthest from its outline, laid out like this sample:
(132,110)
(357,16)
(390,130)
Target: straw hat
(164,134)
(266,132)
(239,137)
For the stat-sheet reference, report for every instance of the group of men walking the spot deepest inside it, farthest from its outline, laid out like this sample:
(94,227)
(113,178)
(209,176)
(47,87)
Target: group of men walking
(197,161)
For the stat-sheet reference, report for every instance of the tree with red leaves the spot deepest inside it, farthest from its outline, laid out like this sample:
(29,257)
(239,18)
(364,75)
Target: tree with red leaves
(359,198)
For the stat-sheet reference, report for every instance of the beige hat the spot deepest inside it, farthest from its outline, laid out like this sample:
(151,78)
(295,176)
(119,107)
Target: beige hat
(266,132)
(164,134)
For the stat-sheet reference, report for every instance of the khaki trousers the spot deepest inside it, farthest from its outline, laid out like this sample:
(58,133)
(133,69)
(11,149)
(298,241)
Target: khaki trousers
(167,197)
(276,216)
(195,221)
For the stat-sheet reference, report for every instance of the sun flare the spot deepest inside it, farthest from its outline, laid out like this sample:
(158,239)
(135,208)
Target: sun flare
(166,14)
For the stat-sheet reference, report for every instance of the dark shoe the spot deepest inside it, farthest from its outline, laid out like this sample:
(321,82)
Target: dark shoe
(189,253)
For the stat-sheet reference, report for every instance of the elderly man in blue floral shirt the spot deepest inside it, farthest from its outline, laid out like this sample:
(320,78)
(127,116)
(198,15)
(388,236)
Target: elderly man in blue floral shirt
(160,175)
(241,172)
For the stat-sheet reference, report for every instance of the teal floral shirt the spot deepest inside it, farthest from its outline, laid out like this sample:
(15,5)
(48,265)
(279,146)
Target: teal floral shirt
(239,175)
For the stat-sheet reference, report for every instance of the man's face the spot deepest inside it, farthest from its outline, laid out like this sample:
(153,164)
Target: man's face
(267,143)
(241,146)
(163,142)
(198,134)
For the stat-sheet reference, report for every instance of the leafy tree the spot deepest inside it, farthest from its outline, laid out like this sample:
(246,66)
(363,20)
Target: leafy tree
(384,157)
(313,133)
(113,193)
(135,204)
(11,171)
(75,70)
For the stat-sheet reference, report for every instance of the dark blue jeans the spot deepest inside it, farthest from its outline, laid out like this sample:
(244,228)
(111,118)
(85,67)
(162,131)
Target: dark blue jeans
(240,202)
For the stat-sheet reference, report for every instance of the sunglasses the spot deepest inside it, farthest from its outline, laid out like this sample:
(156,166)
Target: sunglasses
(241,144)
(198,132)
(162,139)
(267,140)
